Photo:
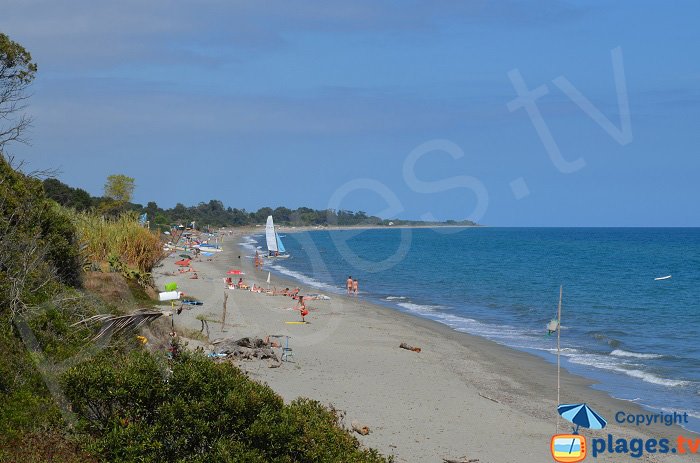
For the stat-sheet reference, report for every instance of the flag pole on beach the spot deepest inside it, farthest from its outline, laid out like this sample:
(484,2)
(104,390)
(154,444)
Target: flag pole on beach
(559,354)
(268,280)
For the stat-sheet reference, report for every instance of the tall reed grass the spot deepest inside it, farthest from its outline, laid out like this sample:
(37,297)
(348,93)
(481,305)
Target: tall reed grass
(122,237)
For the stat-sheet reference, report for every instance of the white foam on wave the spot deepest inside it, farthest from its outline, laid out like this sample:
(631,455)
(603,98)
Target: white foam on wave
(692,414)
(500,333)
(418,307)
(566,351)
(305,279)
(396,298)
(606,362)
(653,379)
(624,353)
(248,243)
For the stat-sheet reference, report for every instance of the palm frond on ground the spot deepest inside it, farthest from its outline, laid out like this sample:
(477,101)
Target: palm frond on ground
(111,324)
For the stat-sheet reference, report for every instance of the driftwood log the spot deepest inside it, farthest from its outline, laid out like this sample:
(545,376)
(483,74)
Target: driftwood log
(403,345)
(473,460)
(360,428)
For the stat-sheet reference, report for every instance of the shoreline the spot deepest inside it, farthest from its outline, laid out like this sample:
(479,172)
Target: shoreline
(447,401)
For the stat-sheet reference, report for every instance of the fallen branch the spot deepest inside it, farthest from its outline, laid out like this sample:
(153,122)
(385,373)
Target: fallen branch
(403,345)
(489,398)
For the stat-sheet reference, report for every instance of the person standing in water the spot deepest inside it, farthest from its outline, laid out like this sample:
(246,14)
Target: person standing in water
(355,289)
(348,285)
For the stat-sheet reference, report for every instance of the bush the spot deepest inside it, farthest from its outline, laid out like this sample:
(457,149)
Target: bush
(121,240)
(137,408)
(25,402)
(37,242)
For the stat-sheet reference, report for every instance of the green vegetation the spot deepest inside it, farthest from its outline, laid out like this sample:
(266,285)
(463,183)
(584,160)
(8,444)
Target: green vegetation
(215,214)
(120,188)
(17,71)
(37,243)
(142,407)
(129,404)
(120,241)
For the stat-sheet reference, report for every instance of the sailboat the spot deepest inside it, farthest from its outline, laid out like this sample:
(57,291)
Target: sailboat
(275,248)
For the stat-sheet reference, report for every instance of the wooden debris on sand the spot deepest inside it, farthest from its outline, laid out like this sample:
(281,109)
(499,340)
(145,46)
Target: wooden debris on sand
(403,345)
(360,428)
(247,348)
(488,398)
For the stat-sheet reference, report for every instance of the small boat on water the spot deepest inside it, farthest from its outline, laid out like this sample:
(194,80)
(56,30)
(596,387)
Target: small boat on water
(275,248)
(662,278)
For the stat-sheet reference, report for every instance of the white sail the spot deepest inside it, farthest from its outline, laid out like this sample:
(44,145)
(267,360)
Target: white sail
(270,235)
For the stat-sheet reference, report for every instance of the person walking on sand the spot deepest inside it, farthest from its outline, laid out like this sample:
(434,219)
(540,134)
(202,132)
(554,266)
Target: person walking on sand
(348,285)
(355,289)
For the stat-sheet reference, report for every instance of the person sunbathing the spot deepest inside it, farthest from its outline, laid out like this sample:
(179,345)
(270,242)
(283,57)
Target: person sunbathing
(256,289)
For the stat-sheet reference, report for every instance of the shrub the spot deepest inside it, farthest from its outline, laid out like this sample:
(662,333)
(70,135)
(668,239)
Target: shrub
(122,240)
(137,408)
(37,242)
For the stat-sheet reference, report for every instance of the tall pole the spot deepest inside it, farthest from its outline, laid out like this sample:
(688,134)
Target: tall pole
(223,315)
(559,353)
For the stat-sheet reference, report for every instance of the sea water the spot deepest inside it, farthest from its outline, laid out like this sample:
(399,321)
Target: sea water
(637,336)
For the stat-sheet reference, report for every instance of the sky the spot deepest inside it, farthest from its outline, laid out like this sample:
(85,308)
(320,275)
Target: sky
(510,113)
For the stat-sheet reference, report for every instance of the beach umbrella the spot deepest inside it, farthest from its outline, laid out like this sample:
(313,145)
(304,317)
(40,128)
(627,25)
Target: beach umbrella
(183,263)
(185,256)
(235,272)
(581,415)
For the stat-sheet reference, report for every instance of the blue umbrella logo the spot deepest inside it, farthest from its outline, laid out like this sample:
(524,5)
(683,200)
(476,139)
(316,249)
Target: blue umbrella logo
(581,415)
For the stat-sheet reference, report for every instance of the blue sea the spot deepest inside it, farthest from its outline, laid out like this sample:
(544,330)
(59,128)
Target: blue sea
(637,336)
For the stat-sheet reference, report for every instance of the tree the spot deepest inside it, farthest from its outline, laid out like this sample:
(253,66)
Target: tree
(120,188)
(16,73)
(261,215)
(77,198)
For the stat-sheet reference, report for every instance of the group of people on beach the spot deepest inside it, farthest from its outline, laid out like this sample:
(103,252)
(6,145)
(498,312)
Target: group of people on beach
(259,261)
(352,286)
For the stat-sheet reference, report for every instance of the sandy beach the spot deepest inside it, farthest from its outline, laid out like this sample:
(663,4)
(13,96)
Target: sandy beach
(461,396)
